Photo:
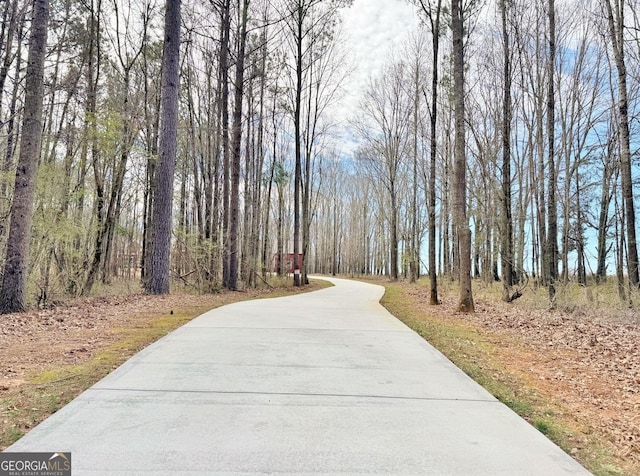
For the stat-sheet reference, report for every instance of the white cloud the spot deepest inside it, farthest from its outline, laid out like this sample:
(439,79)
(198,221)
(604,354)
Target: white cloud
(372,29)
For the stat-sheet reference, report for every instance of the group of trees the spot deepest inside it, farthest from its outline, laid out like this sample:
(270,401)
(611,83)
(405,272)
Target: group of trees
(498,142)
(511,125)
(221,107)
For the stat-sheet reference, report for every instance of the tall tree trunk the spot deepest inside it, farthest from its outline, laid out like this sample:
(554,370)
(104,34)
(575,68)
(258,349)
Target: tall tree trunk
(507,223)
(297,179)
(267,216)
(246,261)
(620,245)
(538,169)
(224,132)
(234,202)
(159,265)
(552,206)
(414,257)
(460,168)
(280,238)
(13,105)
(11,24)
(433,276)
(616,32)
(582,272)
(393,238)
(306,191)
(603,221)
(257,205)
(152,118)
(14,279)
(445,215)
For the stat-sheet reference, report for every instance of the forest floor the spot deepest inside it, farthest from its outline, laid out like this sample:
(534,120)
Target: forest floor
(50,356)
(573,372)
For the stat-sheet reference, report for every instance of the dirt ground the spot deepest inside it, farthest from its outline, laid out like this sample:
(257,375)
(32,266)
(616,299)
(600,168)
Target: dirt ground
(71,333)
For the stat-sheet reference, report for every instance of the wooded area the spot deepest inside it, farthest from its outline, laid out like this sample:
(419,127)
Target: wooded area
(497,144)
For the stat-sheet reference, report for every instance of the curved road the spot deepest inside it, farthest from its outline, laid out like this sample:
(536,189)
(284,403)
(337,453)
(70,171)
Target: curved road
(320,383)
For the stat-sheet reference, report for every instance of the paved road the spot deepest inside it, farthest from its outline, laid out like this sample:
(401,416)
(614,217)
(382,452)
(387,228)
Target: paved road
(319,383)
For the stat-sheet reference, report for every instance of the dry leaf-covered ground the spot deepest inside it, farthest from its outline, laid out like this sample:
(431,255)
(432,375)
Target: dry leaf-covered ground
(32,342)
(590,364)
(585,357)
(71,333)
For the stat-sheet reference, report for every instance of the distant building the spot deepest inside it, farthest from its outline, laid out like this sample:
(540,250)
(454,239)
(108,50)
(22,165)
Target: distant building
(287,265)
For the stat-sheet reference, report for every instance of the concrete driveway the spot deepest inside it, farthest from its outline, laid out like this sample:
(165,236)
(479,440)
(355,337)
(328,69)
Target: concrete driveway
(320,383)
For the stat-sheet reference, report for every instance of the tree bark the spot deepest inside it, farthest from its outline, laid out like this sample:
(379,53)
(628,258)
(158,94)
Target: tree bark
(11,28)
(552,206)
(14,279)
(616,32)
(159,266)
(414,252)
(234,201)
(507,223)
(13,105)
(433,275)
(460,195)
(297,187)
(224,132)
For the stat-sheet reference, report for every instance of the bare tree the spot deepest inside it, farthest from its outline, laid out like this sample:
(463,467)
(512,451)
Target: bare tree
(460,163)
(615,15)
(299,13)
(109,175)
(385,125)
(310,24)
(234,203)
(223,84)
(433,15)
(552,206)
(507,222)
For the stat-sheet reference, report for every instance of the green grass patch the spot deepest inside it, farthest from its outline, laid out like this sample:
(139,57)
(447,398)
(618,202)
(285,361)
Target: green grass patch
(521,407)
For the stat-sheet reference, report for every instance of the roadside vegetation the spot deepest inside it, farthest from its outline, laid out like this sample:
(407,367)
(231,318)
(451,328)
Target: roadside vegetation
(573,373)
(51,356)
